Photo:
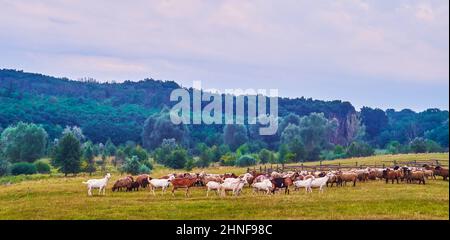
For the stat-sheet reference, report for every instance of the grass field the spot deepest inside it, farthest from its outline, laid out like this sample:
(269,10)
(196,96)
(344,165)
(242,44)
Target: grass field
(56,197)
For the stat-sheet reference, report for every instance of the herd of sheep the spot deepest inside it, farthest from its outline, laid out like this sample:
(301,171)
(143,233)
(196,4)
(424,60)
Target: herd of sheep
(269,183)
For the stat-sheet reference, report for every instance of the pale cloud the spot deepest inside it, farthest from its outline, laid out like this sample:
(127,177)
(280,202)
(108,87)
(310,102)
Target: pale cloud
(304,48)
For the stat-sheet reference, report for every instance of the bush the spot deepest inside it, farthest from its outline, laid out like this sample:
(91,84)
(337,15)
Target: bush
(144,169)
(42,166)
(189,164)
(23,168)
(418,145)
(23,142)
(245,161)
(132,165)
(4,166)
(177,159)
(360,149)
(228,159)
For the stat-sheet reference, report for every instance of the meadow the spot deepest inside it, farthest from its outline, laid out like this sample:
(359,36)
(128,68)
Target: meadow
(57,197)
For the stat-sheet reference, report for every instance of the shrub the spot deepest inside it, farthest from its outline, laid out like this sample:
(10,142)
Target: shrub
(228,159)
(177,159)
(144,169)
(23,142)
(4,166)
(360,149)
(132,165)
(23,168)
(189,164)
(245,161)
(418,145)
(42,166)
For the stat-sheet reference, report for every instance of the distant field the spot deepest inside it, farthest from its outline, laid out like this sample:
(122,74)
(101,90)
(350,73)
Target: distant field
(56,197)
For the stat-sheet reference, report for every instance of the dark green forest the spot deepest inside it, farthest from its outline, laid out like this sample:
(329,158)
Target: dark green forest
(136,113)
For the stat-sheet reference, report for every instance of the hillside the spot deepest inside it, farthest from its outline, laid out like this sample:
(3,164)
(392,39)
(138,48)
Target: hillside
(118,110)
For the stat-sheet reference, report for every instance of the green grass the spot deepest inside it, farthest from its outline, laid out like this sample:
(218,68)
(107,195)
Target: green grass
(56,197)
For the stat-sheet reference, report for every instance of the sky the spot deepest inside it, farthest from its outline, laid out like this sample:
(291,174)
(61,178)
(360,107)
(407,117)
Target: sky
(385,54)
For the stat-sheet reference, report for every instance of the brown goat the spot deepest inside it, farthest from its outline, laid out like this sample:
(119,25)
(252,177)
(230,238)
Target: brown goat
(122,183)
(392,175)
(412,176)
(344,177)
(440,171)
(183,183)
(143,179)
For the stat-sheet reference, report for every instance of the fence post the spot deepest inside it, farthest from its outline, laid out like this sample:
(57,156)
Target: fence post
(302,166)
(260,168)
(356,164)
(383,165)
(265,169)
(248,170)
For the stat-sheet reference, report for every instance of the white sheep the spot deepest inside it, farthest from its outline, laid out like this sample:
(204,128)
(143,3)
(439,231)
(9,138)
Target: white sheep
(98,183)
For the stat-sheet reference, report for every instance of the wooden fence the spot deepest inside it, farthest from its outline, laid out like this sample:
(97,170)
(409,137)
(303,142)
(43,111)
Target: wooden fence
(325,167)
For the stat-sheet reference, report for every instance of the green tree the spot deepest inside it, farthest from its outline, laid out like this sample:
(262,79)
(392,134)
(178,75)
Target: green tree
(234,135)
(394,147)
(282,154)
(177,159)
(23,142)
(265,156)
(132,165)
(245,161)
(4,166)
(291,137)
(205,158)
(360,149)
(68,155)
(110,148)
(89,157)
(418,145)
(42,166)
(25,168)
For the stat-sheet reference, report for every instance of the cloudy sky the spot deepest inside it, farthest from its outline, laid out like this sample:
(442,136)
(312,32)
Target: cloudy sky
(387,54)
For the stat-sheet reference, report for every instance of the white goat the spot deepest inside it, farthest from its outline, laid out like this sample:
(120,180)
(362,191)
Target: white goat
(98,183)
(320,182)
(160,183)
(265,185)
(211,185)
(234,186)
(304,183)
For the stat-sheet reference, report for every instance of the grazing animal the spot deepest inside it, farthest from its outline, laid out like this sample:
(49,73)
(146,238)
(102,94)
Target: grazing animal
(320,182)
(279,183)
(183,183)
(429,174)
(261,178)
(159,183)
(233,186)
(134,186)
(265,185)
(143,180)
(99,184)
(412,176)
(211,185)
(125,183)
(332,180)
(440,171)
(344,177)
(392,175)
(304,183)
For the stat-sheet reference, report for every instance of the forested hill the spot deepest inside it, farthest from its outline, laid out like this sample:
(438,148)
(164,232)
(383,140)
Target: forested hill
(118,110)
